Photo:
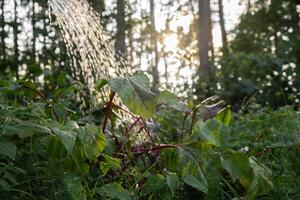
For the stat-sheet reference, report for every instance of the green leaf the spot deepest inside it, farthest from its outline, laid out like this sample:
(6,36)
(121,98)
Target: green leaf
(4,184)
(237,164)
(225,116)
(173,183)
(208,131)
(73,186)
(92,140)
(259,181)
(194,182)
(213,175)
(142,80)
(71,125)
(56,148)
(109,163)
(171,100)
(114,191)
(135,94)
(100,84)
(153,183)
(25,128)
(31,86)
(8,149)
(77,162)
(10,177)
(68,138)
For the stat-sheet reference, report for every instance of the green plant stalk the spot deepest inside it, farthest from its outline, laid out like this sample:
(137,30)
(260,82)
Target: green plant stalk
(4,125)
(21,191)
(85,181)
(155,148)
(231,188)
(142,175)
(183,124)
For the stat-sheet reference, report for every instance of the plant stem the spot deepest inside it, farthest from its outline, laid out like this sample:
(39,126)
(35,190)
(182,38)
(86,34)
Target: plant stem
(141,151)
(183,123)
(108,109)
(193,119)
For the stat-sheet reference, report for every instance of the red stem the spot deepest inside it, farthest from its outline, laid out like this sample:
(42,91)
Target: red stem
(108,109)
(148,132)
(119,107)
(133,124)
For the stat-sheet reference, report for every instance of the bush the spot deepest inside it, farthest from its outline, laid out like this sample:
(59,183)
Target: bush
(259,78)
(45,155)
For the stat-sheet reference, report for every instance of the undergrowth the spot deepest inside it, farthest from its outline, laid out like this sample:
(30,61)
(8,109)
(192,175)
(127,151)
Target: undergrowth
(160,148)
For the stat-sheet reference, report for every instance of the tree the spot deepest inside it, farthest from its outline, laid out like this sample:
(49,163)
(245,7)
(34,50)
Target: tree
(33,22)
(3,34)
(155,73)
(204,35)
(248,5)
(16,46)
(120,44)
(222,25)
(211,38)
(265,51)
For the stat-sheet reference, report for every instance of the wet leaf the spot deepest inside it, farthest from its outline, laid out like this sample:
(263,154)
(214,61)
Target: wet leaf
(135,94)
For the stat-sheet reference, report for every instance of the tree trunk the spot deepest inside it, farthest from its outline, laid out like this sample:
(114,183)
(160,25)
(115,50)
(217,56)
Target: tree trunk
(222,25)
(130,40)
(3,31)
(33,22)
(130,37)
(121,29)
(155,73)
(249,5)
(211,37)
(166,66)
(204,35)
(16,46)
(44,12)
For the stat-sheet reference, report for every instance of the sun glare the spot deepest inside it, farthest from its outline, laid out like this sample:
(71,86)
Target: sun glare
(171,42)
(183,21)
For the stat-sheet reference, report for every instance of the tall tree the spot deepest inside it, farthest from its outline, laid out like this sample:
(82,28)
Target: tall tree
(222,25)
(155,73)
(33,22)
(130,36)
(248,5)
(16,46)
(211,38)
(121,29)
(3,34)
(204,34)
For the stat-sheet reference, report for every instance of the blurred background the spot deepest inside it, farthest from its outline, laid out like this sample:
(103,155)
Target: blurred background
(240,50)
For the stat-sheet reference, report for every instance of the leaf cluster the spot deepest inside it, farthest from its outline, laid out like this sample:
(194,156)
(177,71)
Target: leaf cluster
(167,149)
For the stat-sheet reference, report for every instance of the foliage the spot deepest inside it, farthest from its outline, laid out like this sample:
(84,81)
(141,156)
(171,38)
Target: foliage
(48,152)
(53,145)
(266,79)
(263,58)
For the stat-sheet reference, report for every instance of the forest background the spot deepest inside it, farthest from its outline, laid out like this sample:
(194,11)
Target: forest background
(210,111)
